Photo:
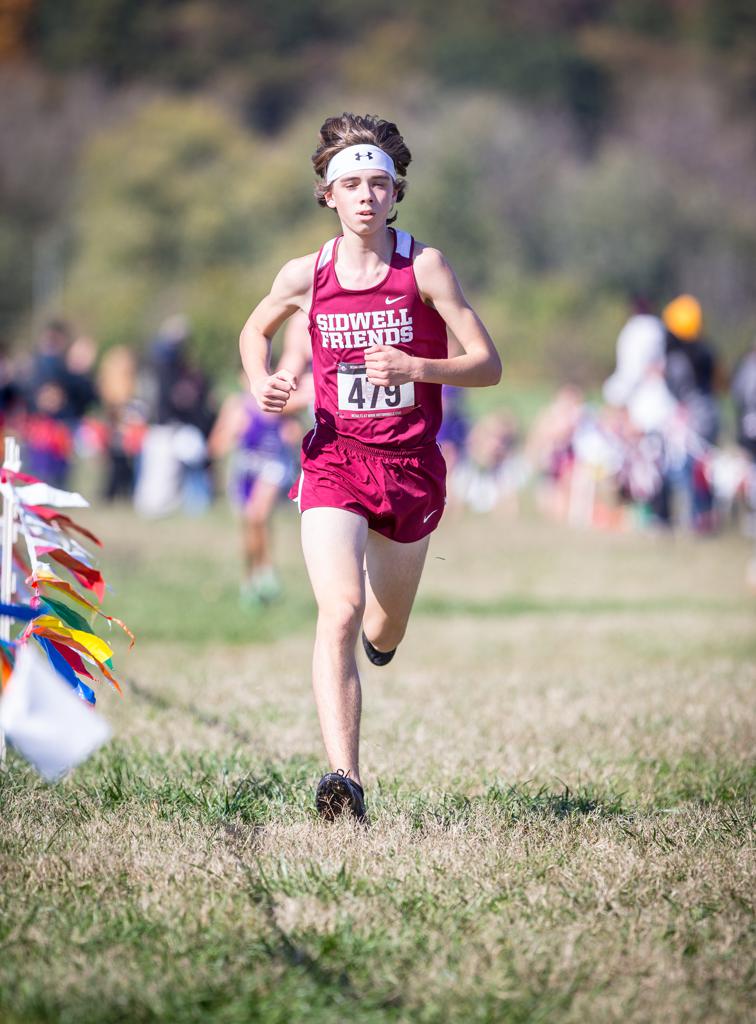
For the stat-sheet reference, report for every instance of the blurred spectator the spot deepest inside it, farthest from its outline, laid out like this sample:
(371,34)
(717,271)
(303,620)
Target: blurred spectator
(174,465)
(80,384)
(490,472)
(743,391)
(455,427)
(124,421)
(11,394)
(264,458)
(640,344)
(549,449)
(599,454)
(181,390)
(48,363)
(691,370)
(47,436)
(638,387)
(261,469)
(691,366)
(81,392)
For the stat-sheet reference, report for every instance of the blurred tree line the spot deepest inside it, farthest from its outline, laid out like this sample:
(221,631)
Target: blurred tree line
(154,157)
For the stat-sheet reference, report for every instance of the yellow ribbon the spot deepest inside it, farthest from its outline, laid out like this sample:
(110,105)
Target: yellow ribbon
(96,646)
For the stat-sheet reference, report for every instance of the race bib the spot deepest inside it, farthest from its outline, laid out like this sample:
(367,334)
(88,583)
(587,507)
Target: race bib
(358,397)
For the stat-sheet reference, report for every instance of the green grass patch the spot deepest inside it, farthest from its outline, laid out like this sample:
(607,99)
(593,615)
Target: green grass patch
(203,606)
(512,605)
(700,778)
(205,788)
(562,832)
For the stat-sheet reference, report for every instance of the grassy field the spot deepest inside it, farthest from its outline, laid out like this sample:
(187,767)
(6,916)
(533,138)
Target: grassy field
(559,768)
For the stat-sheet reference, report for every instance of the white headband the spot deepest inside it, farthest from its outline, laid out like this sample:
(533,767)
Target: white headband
(359,158)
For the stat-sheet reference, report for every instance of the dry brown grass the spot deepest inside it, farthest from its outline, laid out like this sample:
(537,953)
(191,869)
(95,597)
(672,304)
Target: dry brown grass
(559,770)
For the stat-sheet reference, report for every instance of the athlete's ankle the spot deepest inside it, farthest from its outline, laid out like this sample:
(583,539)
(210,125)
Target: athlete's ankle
(349,773)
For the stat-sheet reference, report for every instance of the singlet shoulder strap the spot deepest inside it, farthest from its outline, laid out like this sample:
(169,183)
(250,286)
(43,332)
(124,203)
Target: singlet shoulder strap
(403,243)
(326,254)
(324,258)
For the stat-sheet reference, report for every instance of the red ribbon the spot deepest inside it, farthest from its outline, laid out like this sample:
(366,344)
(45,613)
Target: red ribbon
(92,579)
(65,522)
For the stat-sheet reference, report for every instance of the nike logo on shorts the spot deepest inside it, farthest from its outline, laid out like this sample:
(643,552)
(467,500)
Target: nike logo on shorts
(425,520)
(390,302)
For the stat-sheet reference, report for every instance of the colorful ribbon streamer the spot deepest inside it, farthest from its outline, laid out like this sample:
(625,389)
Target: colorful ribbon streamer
(66,635)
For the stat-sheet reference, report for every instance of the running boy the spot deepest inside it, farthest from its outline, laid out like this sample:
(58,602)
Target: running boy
(372,487)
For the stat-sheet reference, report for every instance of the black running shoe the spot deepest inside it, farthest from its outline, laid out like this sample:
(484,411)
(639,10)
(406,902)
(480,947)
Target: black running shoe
(337,794)
(375,656)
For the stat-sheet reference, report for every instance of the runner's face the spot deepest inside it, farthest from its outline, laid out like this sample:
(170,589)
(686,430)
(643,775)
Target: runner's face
(363,200)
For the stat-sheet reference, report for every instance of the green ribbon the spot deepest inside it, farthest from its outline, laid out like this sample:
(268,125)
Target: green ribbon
(69,616)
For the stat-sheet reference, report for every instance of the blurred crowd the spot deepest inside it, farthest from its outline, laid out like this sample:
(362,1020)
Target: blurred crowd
(146,420)
(649,452)
(652,452)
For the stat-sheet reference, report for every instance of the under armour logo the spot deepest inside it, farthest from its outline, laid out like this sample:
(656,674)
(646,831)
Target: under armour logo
(363,156)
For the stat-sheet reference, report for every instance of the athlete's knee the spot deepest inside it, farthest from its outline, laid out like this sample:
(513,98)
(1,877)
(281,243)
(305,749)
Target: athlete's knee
(341,617)
(255,516)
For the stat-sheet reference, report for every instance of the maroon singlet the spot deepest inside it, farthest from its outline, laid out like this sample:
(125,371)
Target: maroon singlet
(344,322)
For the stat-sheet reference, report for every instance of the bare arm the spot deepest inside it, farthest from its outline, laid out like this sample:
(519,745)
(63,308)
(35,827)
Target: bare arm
(290,292)
(477,366)
(296,354)
(227,427)
(296,357)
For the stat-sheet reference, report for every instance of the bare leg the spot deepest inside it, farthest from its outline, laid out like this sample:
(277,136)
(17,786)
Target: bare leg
(255,525)
(393,575)
(334,542)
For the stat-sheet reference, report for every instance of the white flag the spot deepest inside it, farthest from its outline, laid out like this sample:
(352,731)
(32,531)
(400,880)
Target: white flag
(45,720)
(43,494)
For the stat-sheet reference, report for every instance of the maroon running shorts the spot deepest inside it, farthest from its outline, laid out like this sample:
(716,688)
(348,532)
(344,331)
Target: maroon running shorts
(401,493)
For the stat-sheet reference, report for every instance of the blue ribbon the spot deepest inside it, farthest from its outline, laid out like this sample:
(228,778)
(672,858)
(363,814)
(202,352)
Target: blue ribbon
(62,667)
(23,612)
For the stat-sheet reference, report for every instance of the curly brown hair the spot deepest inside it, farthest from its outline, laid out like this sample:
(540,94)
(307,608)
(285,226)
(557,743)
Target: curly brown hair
(338,133)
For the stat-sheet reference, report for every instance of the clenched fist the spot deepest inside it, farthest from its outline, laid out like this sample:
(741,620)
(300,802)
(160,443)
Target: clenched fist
(272,393)
(387,366)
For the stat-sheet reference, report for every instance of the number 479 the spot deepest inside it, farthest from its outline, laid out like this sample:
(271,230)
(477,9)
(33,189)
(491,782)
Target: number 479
(357,395)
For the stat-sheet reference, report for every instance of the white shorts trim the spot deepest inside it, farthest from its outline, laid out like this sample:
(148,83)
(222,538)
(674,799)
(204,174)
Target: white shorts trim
(298,498)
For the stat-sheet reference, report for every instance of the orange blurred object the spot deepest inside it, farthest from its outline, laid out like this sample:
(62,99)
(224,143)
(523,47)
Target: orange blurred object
(684,317)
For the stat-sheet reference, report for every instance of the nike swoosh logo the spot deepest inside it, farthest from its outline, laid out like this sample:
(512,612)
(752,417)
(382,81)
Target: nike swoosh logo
(430,514)
(390,302)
